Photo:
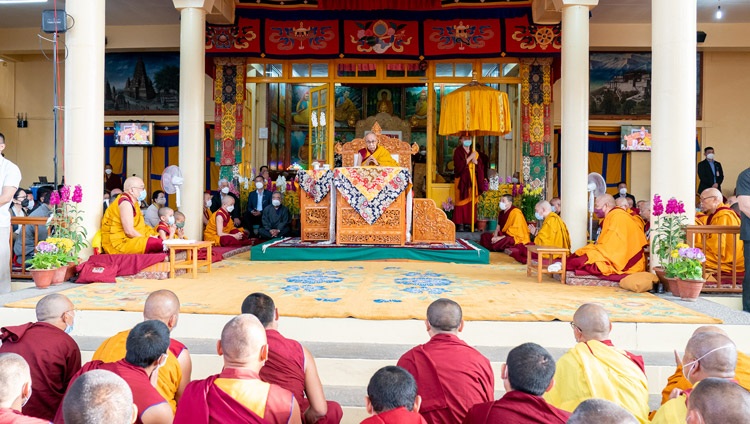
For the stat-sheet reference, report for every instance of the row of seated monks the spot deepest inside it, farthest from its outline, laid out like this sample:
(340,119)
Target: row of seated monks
(143,375)
(619,249)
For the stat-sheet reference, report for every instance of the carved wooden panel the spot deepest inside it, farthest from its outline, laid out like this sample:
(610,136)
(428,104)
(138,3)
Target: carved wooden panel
(315,218)
(394,147)
(390,228)
(430,224)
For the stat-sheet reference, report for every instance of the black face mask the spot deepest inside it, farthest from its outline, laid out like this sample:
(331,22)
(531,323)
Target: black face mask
(25,203)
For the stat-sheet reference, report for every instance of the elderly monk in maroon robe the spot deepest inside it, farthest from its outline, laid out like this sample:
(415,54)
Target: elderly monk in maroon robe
(238,394)
(451,375)
(147,347)
(392,398)
(465,159)
(53,356)
(15,390)
(512,229)
(290,365)
(527,374)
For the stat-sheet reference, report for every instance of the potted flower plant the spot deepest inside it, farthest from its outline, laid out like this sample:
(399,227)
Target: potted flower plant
(66,259)
(44,264)
(67,218)
(686,267)
(448,208)
(489,207)
(529,198)
(668,231)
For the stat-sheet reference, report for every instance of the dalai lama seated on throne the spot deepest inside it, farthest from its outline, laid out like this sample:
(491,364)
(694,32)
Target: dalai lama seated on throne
(374,154)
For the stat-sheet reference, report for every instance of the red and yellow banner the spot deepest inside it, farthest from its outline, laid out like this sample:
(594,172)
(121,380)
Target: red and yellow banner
(381,37)
(302,37)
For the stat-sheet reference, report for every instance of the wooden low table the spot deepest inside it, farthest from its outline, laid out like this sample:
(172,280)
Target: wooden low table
(541,251)
(191,262)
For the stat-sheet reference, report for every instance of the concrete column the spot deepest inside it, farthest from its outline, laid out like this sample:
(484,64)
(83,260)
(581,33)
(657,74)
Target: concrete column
(673,100)
(84,108)
(192,98)
(575,117)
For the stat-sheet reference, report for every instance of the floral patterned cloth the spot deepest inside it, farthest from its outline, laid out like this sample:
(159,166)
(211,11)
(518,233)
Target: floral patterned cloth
(316,183)
(370,190)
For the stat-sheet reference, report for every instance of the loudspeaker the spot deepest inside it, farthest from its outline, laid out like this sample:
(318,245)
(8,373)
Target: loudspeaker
(51,24)
(701,36)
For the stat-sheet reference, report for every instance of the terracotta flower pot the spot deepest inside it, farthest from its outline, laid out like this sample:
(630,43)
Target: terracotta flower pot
(481,225)
(690,289)
(662,274)
(59,276)
(42,277)
(70,270)
(672,286)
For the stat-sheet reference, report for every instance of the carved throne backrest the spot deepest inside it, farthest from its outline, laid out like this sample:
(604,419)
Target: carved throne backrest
(400,150)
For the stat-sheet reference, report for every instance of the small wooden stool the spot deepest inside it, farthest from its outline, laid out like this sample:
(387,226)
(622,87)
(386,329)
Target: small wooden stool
(541,251)
(191,262)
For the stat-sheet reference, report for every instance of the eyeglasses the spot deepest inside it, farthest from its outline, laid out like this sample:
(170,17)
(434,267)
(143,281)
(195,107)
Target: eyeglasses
(707,197)
(575,327)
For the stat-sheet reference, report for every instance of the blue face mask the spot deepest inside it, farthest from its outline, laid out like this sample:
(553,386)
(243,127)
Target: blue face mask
(538,216)
(554,209)
(467,143)
(142,196)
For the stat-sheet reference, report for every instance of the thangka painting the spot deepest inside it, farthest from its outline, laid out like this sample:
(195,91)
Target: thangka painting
(300,104)
(299,148)
(416,107)
(142,83)
(282,104)
(382,99)
(348,106)
(273,101)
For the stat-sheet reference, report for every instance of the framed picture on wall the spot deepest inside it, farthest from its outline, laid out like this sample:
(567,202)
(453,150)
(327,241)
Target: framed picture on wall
(384,99)
(142,83)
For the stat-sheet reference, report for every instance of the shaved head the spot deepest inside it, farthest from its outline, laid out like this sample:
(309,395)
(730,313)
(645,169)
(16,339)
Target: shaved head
(98,397)
(543,207)
(709,329)
(605,200)
(444,315)
(711,199)
(592,321)
(718,401)
(52,307)
(227,201)
(162,305)
(622,202)
(132,182)
(715,352)
(601,411)
(14,373)
(242,340)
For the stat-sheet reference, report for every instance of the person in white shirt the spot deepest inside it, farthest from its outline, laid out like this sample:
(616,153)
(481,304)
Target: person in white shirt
(11,179)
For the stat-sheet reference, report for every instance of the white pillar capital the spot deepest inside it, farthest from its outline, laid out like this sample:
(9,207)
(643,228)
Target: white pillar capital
(205,5)
(559,4)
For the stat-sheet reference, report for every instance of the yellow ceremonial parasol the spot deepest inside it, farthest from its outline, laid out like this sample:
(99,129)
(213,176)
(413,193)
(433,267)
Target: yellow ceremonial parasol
(474,109)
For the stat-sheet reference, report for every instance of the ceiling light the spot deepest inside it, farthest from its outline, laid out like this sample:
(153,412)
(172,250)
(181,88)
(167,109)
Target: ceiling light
(719,14)
(21,1)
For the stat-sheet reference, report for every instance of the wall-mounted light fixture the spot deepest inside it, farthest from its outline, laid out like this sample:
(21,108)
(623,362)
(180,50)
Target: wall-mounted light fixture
(22,121)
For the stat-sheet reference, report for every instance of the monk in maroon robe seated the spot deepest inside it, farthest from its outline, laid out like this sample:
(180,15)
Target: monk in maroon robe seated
(512,229)
(291,366)
(15,390)
(238,395)
(451,375)
(392,398)
(601,411)
(147,346)
(99,396)
(53,356)
(527,374)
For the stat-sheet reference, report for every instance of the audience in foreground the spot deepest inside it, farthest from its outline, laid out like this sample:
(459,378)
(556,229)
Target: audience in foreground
(392,398)
(99,397)
(15,390)
(601,411)
(718,401)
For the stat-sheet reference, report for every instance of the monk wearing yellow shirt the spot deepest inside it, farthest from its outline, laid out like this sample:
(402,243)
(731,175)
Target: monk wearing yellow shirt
(706,355)
(553,232)
(721,214)
(594,368)
(619,249)
(174,376)
(512,229)
(678,380)
(374,154)
(123,228)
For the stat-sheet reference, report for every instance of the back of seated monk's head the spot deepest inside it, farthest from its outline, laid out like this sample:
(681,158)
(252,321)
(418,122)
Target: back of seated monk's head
(709,354)
(147,343)
(262,306)
(164,306)
(529,368)
(444,316)
(622,203)
(718,401)
(591,322)
(243,343)
(15,381)
(99,397)
(605,203)
(601,411)
(392,387)
(55,309)
(114,193)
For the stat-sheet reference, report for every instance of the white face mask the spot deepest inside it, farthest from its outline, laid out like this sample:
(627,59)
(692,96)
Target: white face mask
(710,156)
(230,208)
(106,202)
(170,220)
(208,203)
(31,203)
(258,185)
(23,402)
(623,191)
(691,363)
(514,180)
(503,206)
(225,190)
(161,201)
(276,202)
(108,171)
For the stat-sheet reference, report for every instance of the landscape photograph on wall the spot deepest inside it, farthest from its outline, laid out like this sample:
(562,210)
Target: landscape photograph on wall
(143,83)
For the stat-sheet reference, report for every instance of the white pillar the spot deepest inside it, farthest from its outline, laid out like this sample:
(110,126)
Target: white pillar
(84,108)
(673,100)
(192,97)
(575,118)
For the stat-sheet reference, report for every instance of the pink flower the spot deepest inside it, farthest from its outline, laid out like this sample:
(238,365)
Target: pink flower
(658,208)
(672,206)
(78,194)
(54,198)
(508,179)
(64,194)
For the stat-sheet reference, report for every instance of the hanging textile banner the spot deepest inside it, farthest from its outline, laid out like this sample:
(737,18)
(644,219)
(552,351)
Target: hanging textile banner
(523,36)
(382,36)
(241,37)
(229,96)
(536,106)
(470,36)
(298,37)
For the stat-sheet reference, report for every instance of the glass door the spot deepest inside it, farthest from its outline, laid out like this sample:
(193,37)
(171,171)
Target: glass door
(319,120)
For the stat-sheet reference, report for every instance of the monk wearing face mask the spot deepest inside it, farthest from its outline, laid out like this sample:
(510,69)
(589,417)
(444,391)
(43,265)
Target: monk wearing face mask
(124,230)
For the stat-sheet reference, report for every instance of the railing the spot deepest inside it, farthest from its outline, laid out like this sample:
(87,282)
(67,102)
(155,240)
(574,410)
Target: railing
(21,271)
(729,231)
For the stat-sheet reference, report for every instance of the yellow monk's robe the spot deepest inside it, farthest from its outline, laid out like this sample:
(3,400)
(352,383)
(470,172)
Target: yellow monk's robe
(672,412)
(554,233)
(724,215)
(170,375)
(678,381)
(595,370)
(513,226)
(380,154)
(619,249)
(210,232)
(700,219)
(114,239)
(637,219)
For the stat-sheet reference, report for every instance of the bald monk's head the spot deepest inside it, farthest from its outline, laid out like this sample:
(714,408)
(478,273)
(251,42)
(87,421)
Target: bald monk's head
(529,368)
(603,204)
(392,387)
(601,411)
(15,381)
(99,397)
(591,322)
(57,310)
(709,354)
(644,209)
(134,186)
(556,205)
(711,199)
(164,306)
(261,305)
(622,203)
(543,208)
(243,343)
(227,201)
(709,329)
(718,401)
(444,316)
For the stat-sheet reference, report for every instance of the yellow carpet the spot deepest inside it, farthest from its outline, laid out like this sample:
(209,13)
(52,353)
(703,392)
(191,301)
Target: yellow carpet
(381,290)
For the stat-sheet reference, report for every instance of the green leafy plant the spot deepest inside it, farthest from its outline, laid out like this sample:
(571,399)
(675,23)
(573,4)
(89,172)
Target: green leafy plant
(489,204)
(291,201)
(529,198)
(67,219)
(669,228)
(686,263)
(48,256)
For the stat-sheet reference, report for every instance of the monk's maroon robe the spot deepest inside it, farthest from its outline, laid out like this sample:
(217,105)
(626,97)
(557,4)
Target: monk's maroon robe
(396,416)
(11,416)
(516,408)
